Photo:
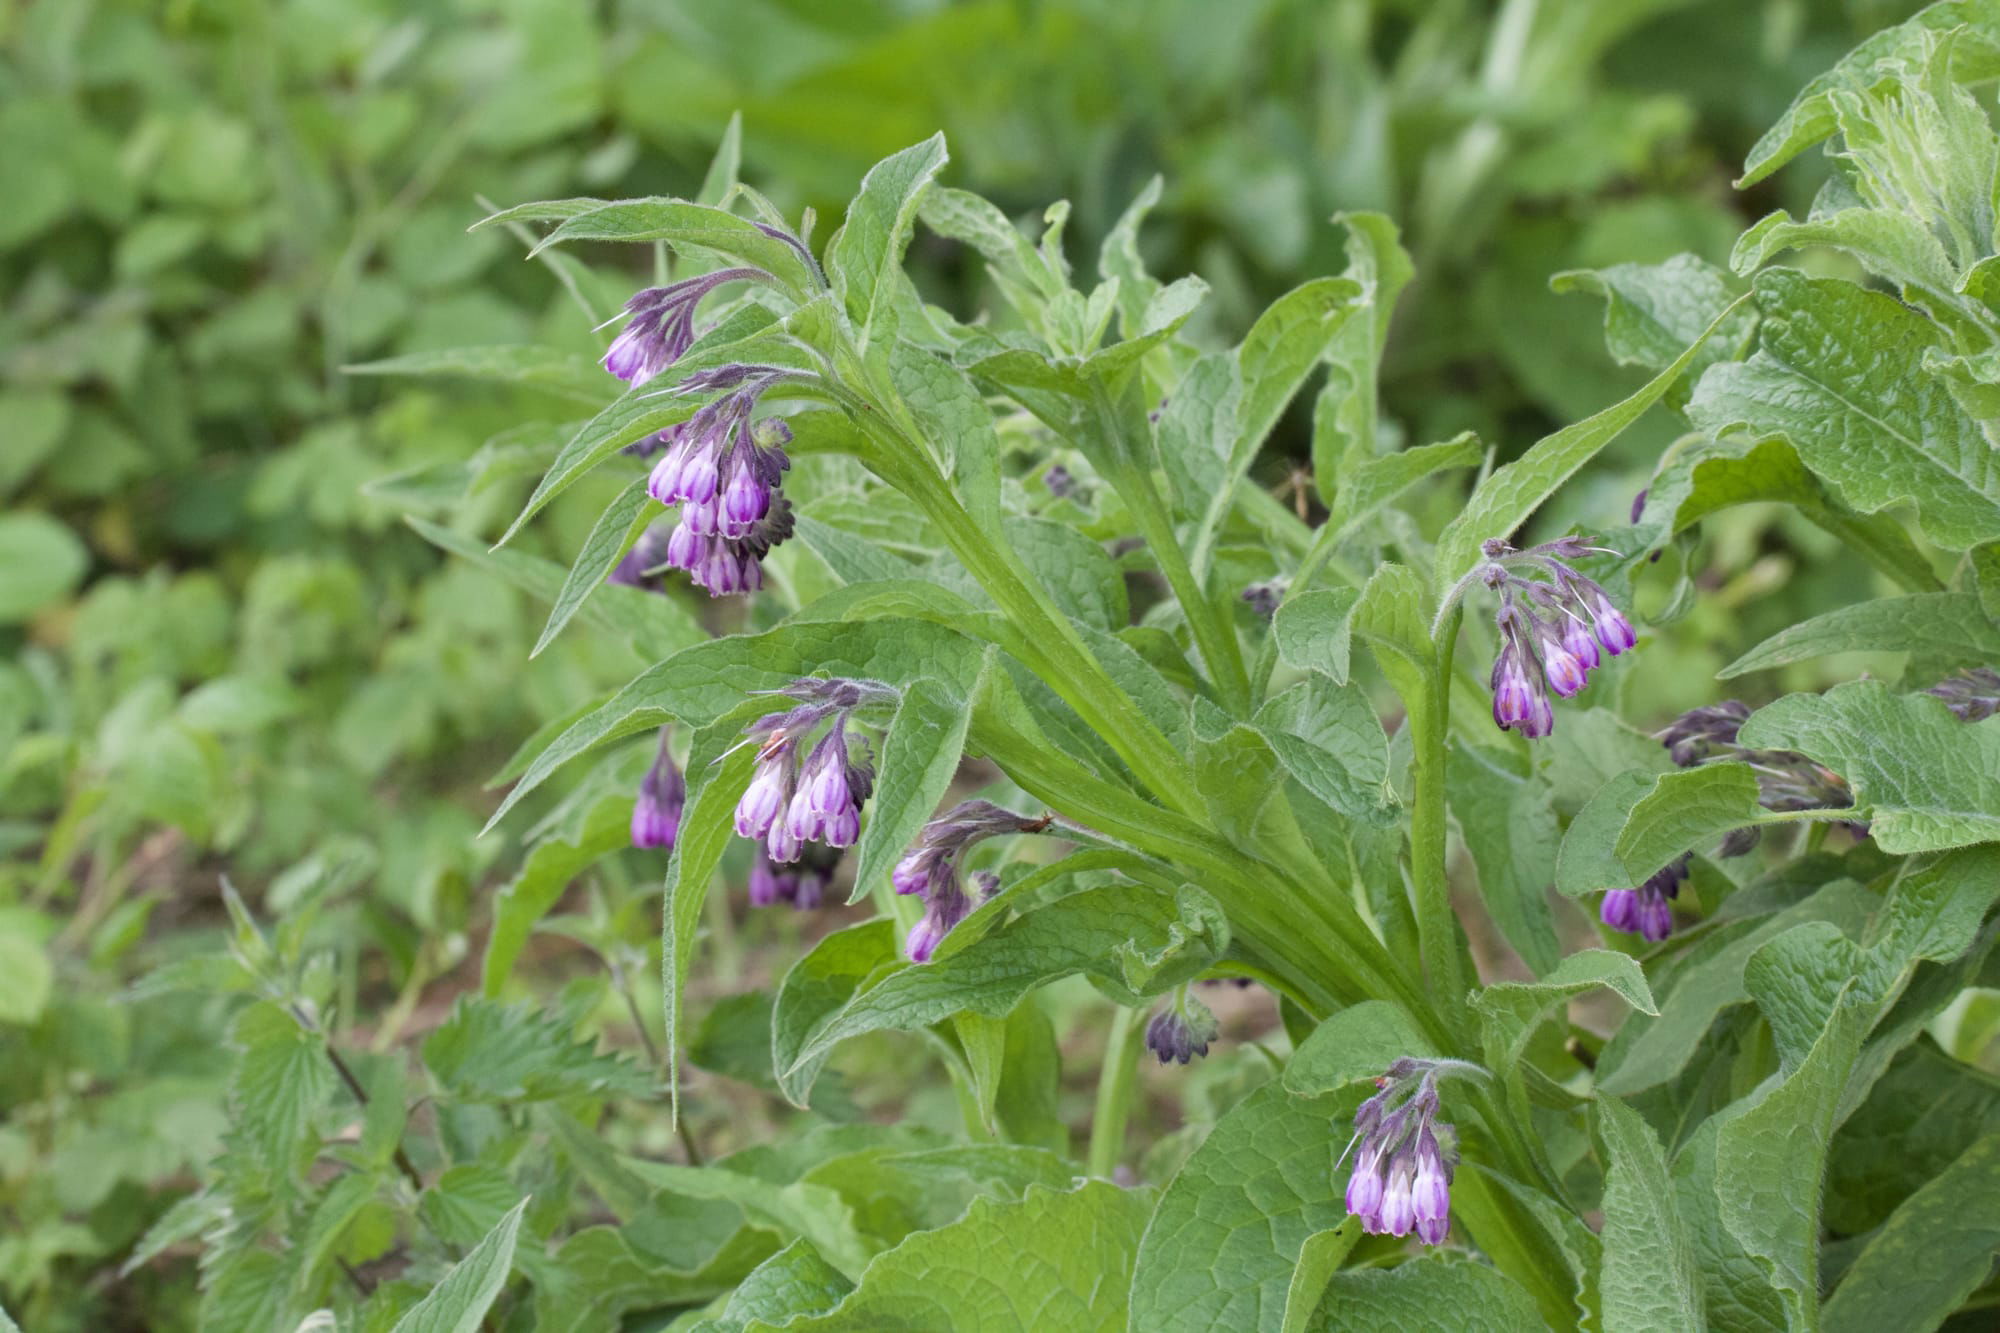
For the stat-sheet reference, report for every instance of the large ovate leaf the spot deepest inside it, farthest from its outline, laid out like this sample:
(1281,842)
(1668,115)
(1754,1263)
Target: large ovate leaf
(1471,1297)
(1838,374)
(1931,1254)
(1924,780)
(1355,1045)
(1055,1259)
(1653,311)
(1221,1247)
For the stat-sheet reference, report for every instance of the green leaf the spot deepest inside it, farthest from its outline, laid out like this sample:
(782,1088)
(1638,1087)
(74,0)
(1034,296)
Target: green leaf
(1924,780)
(1353,1046)
(1134,940)
(680,223)
(864,260)
(1653,311)
(1052,1260)
(919,759)
(622,521)
(1313,631)
(1952,625)
(1319,1259)
(1222,1245)
(1932,1253)
(577,378)
(550,866)
(1328,737)
(1647,1054)
(460,1302)
(1685,809)
(1508,823)
(41,562)
(1344,417)
(491,1052)
(1650,1279)
(795,1281)
(1838,373)
(1511,493)
(1511,1010)
(957,422)
(818,986)
(1770,1162)
(26,977)
(718,772)
(1811,116)
(1414,1295)
(1893,245)
(1366,489)
(282,1078)
(1118,259)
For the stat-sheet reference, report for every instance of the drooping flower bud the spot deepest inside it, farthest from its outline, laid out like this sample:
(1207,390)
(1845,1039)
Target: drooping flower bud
(930,867)
(1647,911)
(1554,629)
(1181,1030)
(656,814)
(659,324)
(1972,696)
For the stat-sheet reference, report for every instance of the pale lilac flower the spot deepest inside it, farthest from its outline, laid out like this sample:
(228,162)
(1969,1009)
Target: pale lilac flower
(930,868)
(1404,1157)
(1556,627)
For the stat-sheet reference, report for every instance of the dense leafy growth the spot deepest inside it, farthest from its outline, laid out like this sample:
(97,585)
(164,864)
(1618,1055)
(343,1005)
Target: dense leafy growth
(1246,758)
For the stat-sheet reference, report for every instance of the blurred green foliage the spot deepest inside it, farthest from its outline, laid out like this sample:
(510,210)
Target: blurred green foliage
(225,651)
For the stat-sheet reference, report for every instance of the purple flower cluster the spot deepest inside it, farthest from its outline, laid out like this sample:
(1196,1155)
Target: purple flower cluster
(659,324)
(803,884)
(802,793)
(929,868)
(1404,1157)
(1972,696)
(656,814)
(1647,910)
(1181,1030)
(1555,625)
(724,470)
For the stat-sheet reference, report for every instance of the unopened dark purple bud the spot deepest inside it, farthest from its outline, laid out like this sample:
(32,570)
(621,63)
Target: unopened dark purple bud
(1638,505)
(1177,1035)
(1058,480)
(1264,598)
(1972,696)
(1620,910)
(1740,842)
(656,813)
(767,885)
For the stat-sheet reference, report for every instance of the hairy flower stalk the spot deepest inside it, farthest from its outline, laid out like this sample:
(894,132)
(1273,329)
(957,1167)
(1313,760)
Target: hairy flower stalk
(929,869)
(1404,1156)
(800,794)
(1181,1030)
(1556,627)
(656,814)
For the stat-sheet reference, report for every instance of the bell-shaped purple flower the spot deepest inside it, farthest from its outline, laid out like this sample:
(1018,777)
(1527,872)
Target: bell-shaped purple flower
(1647,911)
(930,867)
(659,324)
(771,785)
(656,813)
(1401,1177)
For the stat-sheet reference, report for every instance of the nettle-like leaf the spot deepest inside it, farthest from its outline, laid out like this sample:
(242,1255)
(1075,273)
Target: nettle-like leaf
(1220,1249)
(491,1052)
(1839,375)
(460,1302)
(1924,780)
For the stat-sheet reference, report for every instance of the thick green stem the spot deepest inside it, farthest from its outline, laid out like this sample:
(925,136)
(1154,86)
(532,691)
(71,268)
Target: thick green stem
(1115,1080)
(1213,634)
(1437,926)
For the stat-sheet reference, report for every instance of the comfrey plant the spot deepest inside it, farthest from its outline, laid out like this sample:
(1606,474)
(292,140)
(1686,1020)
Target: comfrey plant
(1302,785)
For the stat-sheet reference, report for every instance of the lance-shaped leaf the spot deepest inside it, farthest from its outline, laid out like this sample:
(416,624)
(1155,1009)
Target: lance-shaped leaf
(1328,737)
(680,223)
(1650,1279)
(1924,780)
(1946,624)
(864,260)
(460,1302)
(1221,1247)
(1344,429)
(1653,311)
(566,373)
(919,759)
(1508,822)
(614,532)
(601,828)
(1839,374)
(1511,493)
(1133,940)
(1932,1253)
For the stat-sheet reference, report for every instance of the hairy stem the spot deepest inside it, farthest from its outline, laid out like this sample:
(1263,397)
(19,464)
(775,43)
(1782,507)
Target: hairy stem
(1115,1080)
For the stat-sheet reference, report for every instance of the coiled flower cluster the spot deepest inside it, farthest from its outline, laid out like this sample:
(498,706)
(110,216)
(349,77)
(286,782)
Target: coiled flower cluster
(806,790)
(1555,624)
(930,868)
(1404,1157)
